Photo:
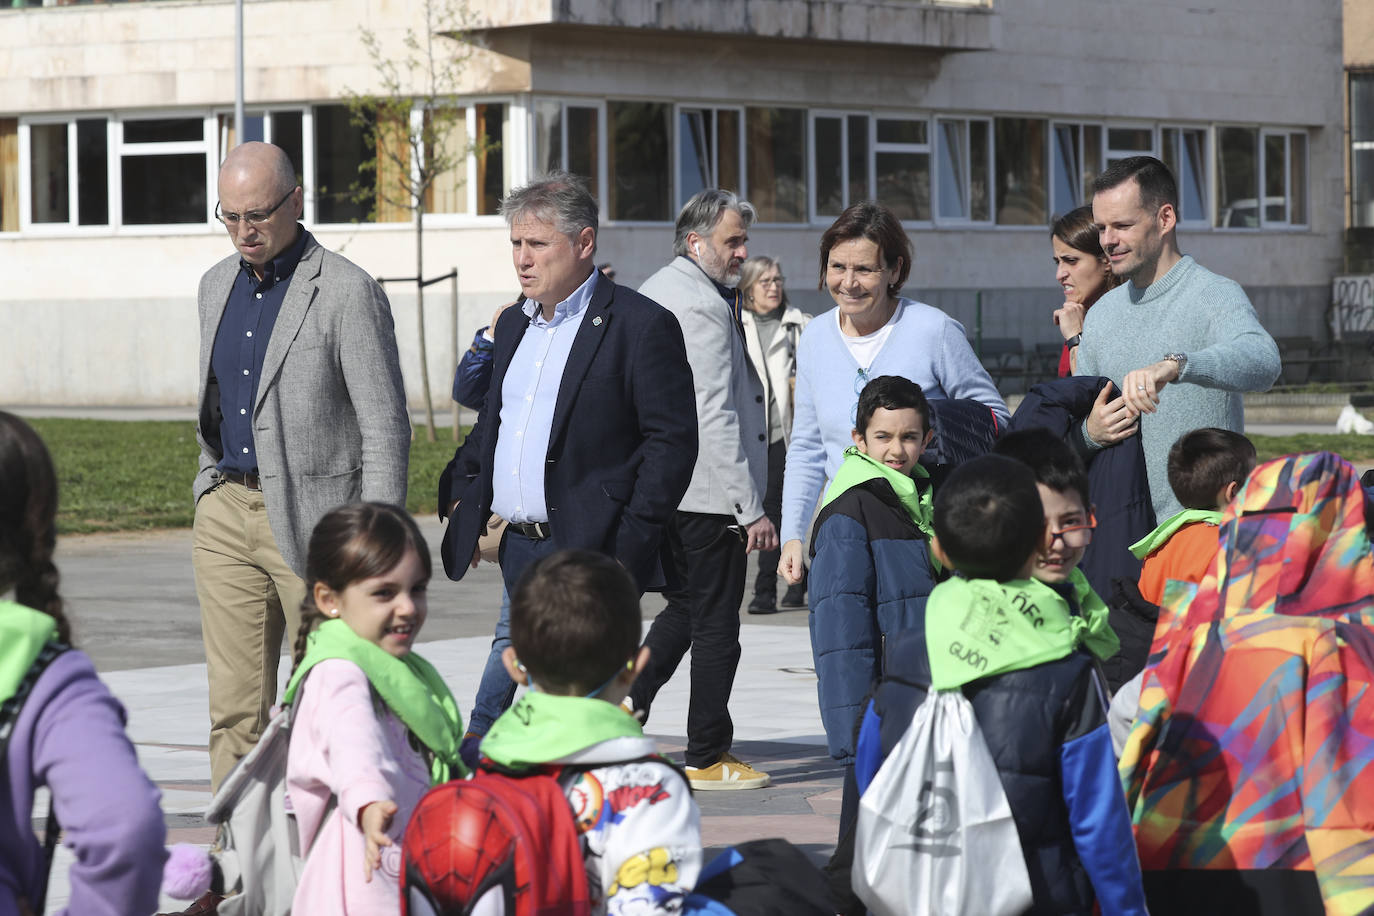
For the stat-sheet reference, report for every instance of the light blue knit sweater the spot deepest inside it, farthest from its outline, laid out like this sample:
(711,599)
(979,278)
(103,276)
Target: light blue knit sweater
(925,345)
(1193,311)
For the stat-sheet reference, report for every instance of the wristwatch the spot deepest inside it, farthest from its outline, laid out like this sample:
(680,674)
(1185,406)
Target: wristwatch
(1074,341)
(1180,358)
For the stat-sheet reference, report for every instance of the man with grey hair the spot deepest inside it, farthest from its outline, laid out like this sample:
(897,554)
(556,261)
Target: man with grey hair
(721,518)
(588,435)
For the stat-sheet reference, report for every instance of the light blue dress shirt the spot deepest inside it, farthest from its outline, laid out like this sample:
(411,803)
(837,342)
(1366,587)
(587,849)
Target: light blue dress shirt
(528,395)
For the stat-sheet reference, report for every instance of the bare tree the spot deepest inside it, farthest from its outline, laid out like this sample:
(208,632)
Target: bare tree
(415,125)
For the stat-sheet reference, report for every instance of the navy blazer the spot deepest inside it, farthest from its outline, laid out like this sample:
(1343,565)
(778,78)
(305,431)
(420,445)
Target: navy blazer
(622,446)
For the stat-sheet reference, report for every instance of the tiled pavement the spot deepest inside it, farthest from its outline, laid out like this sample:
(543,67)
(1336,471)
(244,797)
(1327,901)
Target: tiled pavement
(777,727)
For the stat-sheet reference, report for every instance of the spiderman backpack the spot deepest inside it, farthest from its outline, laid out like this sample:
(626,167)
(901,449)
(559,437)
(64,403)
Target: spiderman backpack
(488,846)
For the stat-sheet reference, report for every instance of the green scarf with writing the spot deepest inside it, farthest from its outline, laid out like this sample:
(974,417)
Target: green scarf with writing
(23,634)
(858,467)
(976,628)
(409,686)
(1155,539)
(542,727)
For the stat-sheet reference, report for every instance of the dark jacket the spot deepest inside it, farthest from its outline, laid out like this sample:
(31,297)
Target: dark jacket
(622,445)
(473,377)
(964,429)
(870,577)
(1117,482)
(1046,728)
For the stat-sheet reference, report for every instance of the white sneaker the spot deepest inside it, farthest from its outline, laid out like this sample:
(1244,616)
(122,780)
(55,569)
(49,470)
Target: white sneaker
(1352,421)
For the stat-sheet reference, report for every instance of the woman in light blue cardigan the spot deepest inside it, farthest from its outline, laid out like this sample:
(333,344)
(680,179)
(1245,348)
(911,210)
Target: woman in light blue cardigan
(865,259)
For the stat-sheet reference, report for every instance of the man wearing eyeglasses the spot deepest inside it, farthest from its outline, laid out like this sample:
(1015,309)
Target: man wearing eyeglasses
(301,410)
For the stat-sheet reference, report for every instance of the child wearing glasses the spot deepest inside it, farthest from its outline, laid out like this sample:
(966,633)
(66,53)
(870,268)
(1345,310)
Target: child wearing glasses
(1021,649)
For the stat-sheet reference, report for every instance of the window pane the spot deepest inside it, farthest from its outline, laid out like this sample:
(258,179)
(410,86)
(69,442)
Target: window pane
(1192,174)
(287,133)
(548,136)
(1092,158)
(829,152)
(449,191)
(904,184)
(491,164)
(584,155)
(858,162)
(1275,179)
(694,148)
(1237,177)
(1020,158)
(728,140)
(777,163)
(166,130)
(638,143)
(953,186)
(48,173)
(1297,180)
(1129,140)
(340,149)
(9,174)
(979,182)
(1065,169)
(1168,151)
(159,190)
(890,131)
(1362,188)
(1361,106)
(92,172)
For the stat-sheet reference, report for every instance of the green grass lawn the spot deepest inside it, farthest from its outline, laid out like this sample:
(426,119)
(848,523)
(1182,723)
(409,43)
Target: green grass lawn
(126,476)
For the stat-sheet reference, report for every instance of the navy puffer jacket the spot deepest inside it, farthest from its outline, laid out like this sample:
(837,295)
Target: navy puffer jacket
(870,578)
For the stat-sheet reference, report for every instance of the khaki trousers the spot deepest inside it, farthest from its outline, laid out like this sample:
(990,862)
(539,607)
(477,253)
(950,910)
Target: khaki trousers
(249,599)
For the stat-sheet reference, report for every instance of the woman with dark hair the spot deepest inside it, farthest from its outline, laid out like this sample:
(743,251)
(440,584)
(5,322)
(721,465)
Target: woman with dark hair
(865,257)
(772,329)
(1082,271)
(68,734)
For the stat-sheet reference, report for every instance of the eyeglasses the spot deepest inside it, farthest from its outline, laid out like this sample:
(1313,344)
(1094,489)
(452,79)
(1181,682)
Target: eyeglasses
(252,217)
(1074,536)
(772,281)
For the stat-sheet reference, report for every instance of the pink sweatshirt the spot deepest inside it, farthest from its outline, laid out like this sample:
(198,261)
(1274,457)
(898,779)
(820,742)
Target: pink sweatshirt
(345,742)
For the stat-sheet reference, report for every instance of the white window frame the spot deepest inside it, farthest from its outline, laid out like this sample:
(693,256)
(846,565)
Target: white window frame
(1286,134)
(815,216)
(928,148)
(1111,153)
(936,180)
(533,167)
(1208,170)
(118,149)
(25,184)
(676,140)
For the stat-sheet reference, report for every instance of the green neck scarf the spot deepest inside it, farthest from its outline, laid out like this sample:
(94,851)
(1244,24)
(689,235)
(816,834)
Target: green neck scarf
(1155,539)
(409,686)
(23,634)
(858,467)
(976,628)
(541,728)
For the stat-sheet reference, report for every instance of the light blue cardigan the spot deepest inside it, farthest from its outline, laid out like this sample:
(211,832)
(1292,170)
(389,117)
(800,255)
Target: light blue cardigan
(925,345)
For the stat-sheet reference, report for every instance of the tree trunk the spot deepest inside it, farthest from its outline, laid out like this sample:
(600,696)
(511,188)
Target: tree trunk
(420,317)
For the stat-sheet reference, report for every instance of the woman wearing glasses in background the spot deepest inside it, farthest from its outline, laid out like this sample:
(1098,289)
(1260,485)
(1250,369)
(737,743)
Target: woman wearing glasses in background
(871,331)
(772,329)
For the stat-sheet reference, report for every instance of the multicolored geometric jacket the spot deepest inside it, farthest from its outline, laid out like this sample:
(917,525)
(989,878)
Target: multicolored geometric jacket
(1250,770)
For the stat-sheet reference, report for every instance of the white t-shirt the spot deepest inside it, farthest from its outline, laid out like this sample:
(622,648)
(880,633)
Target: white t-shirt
(865,349)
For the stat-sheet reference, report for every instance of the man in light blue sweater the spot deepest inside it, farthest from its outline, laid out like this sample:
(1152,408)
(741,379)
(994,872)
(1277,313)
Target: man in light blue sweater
(1179,342)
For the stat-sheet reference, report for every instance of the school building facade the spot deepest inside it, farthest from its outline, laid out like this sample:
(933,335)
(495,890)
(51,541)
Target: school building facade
(976,121)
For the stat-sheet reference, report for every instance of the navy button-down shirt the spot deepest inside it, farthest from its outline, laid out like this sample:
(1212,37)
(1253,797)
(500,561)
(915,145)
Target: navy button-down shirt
(241,344)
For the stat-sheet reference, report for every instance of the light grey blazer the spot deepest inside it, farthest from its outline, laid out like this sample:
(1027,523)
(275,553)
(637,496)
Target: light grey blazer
(731,473)
(329,422)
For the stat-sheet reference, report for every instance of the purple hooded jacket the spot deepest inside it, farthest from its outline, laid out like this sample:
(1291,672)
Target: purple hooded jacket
(70,738)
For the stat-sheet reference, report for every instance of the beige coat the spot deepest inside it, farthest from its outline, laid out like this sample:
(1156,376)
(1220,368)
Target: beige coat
(777,367)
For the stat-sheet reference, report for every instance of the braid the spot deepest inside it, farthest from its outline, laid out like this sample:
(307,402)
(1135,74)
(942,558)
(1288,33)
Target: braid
(28,521)
(38,590)
(311,617)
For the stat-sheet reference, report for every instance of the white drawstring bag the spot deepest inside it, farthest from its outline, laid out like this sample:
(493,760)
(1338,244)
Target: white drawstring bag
(935,835)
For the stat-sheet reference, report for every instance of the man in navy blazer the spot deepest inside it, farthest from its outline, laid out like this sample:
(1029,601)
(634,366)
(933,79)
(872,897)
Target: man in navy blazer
(588,436)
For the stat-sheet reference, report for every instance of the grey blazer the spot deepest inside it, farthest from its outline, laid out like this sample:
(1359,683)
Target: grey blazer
(329,422)
(731,473)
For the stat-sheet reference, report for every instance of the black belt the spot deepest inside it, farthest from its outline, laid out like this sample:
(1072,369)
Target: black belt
(251,481)
(535,531)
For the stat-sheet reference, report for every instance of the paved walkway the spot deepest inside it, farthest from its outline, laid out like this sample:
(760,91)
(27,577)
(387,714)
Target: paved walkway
(132,602)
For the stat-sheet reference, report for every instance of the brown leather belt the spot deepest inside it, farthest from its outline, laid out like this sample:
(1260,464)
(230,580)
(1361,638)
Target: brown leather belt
(535,531)
(251,481)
